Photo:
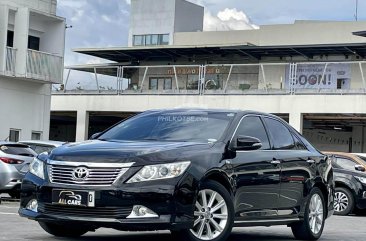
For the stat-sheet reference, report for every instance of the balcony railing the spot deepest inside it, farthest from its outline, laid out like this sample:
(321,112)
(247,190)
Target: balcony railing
(44,66)
(305,78)
(10,61)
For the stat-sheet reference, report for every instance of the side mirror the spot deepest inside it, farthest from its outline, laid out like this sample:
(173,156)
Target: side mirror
(360,168)
(95,136)
(247,143)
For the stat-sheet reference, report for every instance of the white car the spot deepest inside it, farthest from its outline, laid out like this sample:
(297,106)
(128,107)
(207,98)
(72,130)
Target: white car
(42,146)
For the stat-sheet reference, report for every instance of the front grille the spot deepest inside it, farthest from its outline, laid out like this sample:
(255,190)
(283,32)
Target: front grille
(96,212)
(98,176)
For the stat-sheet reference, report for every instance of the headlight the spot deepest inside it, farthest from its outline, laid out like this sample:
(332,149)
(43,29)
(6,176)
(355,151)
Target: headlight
(37,168)
(162,171)
(361,179)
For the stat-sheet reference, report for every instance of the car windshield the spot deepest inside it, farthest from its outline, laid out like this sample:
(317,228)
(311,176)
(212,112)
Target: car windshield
(178,126)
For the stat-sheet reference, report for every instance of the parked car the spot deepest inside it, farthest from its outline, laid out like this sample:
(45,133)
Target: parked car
(42,146)
(14,161)
(195,172)
(350,182)
(362,156)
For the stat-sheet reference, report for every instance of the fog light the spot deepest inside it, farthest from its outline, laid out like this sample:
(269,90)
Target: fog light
(139,211)
(32,205)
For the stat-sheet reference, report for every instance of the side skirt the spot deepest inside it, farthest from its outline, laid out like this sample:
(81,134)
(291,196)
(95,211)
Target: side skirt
(265,222)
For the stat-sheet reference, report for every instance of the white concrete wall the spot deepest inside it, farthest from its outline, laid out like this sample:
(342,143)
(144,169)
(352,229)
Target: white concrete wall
(300,33)
(188,17)
(25,105)
(295,105)
(151,17)
(46,6)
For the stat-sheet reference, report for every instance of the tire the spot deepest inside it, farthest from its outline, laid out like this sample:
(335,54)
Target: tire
(304,230)
(344,202)
(60,230)
(208,188)
(15,194)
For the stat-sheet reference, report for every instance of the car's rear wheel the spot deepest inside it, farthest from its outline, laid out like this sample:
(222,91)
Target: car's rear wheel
(343,201)
(60,230)
(311,228)
(213,215)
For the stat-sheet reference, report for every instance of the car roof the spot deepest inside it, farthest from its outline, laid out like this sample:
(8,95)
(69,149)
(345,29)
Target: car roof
(53,143)
(8,143)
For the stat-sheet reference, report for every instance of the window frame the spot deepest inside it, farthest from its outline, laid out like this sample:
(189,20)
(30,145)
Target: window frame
(157,83)
(171,83)
(37,133)
(16,130)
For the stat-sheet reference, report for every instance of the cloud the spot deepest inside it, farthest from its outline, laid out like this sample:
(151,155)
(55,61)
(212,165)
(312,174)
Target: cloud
(227,19)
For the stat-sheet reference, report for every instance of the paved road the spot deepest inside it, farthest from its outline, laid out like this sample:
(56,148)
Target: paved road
(13,227)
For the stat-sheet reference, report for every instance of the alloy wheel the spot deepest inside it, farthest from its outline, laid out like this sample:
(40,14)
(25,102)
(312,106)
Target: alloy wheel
(211,215)
(316,214)
(341,201)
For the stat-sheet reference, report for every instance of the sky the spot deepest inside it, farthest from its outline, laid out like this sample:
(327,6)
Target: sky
(105,23)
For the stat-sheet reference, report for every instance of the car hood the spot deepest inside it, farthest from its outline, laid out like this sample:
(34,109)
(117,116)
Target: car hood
(142,152)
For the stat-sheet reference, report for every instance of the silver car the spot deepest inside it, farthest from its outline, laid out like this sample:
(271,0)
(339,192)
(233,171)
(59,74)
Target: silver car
(14,163)
(42,146)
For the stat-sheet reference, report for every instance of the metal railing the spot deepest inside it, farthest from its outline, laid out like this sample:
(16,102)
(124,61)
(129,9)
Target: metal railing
(305,78)
(44,66)
(10,61)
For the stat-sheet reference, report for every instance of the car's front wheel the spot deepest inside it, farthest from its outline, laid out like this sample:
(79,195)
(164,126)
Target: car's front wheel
(60,230)
(213,215)
(343,201)
(311,228)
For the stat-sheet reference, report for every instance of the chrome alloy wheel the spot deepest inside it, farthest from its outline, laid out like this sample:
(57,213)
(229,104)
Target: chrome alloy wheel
(211,214)
(316,214)
(341,202)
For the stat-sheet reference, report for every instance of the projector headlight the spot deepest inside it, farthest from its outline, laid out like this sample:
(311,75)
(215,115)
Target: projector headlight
(158,172)
(37,168)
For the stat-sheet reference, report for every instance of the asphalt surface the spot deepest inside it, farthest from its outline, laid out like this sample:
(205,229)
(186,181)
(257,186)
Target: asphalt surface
(13,227)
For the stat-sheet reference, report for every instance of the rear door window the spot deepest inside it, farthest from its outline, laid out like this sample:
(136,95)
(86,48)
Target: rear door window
(19,150)
(281,135)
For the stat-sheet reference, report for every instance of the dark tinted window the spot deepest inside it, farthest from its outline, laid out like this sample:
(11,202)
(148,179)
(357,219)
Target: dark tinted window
(282,137)
(298,143)
(344,163)
(10,39)
(177,126)
(20,150)
(253,126)
(33,43)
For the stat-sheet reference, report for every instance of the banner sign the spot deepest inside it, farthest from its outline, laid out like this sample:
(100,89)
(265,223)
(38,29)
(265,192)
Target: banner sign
(310,76)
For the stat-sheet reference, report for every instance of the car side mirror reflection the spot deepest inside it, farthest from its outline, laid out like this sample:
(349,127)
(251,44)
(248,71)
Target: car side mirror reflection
(247,143)
(360,168)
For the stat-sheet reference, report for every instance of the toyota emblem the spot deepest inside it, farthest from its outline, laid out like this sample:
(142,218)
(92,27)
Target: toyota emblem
(80,173)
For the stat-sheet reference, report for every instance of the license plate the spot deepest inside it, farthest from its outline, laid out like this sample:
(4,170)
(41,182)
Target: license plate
(73,198)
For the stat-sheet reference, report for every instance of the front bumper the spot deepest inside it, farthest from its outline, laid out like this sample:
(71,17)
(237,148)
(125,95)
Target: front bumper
(172,200)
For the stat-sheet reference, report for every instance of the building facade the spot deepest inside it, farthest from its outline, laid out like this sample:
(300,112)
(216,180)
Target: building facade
(311,73)
(31,59)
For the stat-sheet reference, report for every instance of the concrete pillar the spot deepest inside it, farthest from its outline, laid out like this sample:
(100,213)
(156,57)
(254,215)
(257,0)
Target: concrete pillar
(296,121)
(82,125)
(21,29)
(4,18)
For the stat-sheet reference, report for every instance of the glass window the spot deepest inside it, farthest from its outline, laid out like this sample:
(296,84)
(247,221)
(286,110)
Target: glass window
(344,163)
(36,135)
(154,39)
(33,43)
(148,40)
(168,84)
(179,126)
(138,40)
(298,143)
(17,149)
(281,136)
(153,84)
(165,39)
(14,135)
(10,39)
(253,126)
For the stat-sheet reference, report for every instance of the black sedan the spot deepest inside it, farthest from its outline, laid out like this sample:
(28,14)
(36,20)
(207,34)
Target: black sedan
(195,172)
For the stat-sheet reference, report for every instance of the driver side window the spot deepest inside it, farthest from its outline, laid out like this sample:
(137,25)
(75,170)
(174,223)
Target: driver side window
(253,126)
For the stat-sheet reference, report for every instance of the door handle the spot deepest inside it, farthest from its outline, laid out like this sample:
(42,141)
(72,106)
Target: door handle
(276,162)
(310,161)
